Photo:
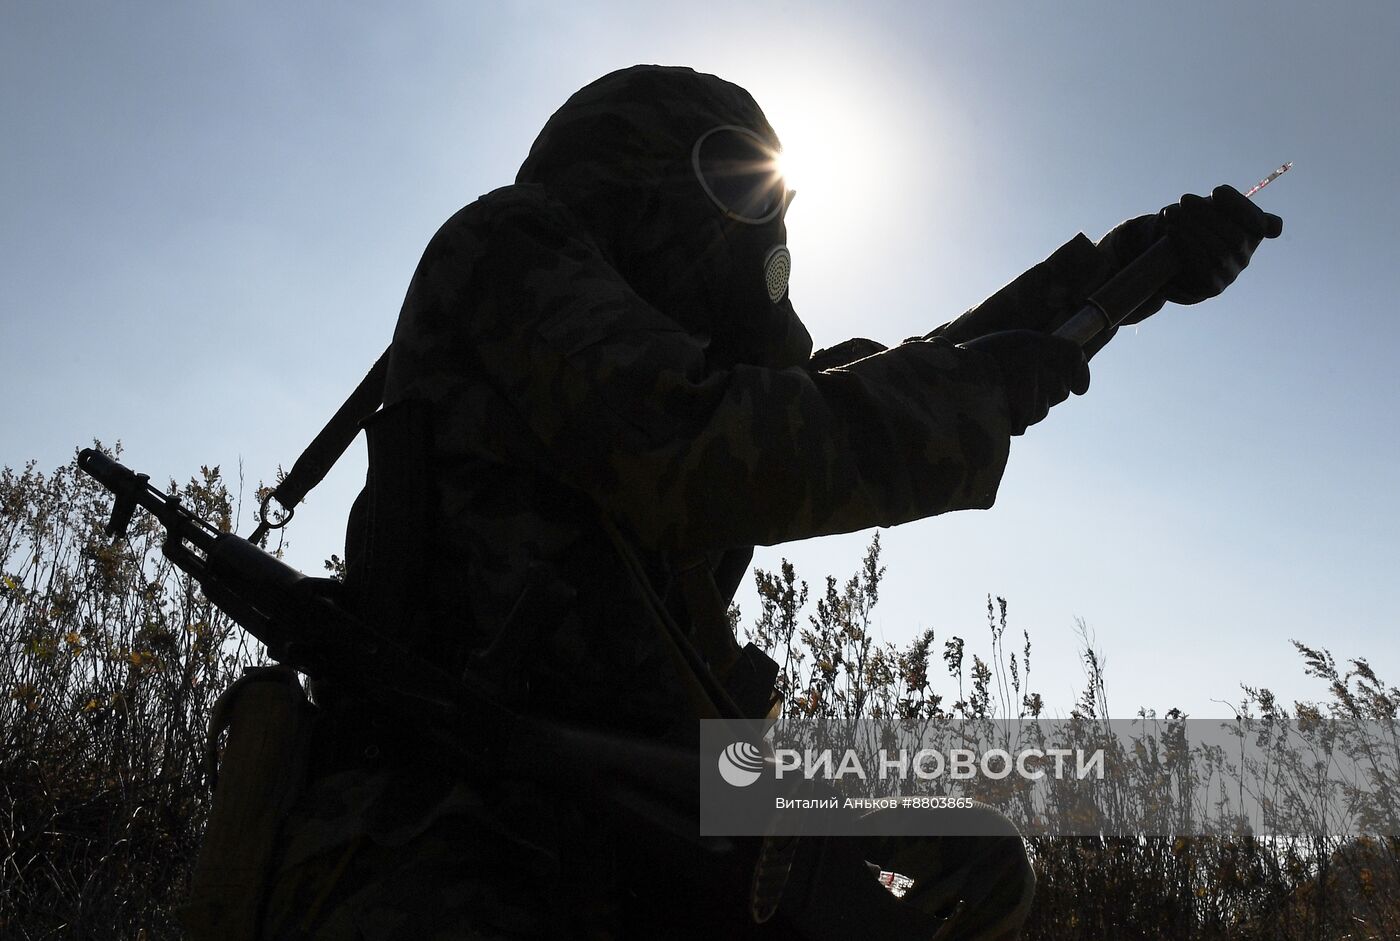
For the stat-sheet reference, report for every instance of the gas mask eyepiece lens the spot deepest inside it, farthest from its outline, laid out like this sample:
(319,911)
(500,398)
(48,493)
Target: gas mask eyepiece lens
(739,172)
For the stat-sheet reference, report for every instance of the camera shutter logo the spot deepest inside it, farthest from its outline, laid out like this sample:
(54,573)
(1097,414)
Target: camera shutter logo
(741,764)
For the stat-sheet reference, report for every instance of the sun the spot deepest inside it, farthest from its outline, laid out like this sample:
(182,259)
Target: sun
(788,164)
(831,157)
(810,162)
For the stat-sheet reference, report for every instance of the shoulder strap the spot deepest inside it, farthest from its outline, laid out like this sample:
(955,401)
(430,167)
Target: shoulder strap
(327,447)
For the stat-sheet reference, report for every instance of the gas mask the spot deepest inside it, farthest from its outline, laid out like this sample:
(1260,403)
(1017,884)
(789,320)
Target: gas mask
(672,172)
(738,171)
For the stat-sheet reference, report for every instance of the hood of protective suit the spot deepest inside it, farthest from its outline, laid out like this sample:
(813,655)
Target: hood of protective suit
(618,154)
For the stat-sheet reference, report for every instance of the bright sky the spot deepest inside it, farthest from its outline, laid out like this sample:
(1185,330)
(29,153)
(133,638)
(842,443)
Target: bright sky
(211,213)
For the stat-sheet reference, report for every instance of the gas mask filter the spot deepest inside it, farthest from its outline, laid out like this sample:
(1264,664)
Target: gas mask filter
(777,267)
(738,171)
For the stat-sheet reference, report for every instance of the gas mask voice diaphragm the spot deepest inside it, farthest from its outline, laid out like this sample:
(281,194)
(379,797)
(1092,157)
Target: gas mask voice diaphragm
(738,170)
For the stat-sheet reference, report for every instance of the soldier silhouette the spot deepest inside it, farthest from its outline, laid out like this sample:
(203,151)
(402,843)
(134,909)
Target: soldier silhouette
(606,399)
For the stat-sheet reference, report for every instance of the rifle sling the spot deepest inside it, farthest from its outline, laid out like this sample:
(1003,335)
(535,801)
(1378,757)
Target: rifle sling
(327,447)
(393,553)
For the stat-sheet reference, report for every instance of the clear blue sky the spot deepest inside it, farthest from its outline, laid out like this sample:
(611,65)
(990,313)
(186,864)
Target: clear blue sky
(211,212)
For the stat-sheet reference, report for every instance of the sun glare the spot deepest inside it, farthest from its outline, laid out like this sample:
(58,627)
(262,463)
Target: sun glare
(830,157)
(812,162)
(846,154)
(789,164)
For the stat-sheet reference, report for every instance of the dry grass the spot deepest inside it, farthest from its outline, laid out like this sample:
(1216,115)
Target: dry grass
(110,661)
(1227,884)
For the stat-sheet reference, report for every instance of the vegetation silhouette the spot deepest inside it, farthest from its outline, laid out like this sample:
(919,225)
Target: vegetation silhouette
(111,660)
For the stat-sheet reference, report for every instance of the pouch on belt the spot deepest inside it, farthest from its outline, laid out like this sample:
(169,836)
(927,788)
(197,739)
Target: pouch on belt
(268,719)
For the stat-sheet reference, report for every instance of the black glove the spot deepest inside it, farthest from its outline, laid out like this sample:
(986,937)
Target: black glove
(1038,371)
(1214,237)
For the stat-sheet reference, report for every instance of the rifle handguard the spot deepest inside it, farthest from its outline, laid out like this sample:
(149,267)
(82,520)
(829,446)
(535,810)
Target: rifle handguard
(1124,293)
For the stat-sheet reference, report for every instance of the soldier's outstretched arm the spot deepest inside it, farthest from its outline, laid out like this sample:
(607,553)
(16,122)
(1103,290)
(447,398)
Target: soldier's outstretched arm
(588,381)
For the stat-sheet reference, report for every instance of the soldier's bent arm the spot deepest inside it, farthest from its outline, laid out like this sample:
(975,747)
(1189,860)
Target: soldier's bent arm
(537,354)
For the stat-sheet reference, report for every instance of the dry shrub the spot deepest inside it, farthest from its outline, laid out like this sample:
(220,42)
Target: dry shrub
(110,663)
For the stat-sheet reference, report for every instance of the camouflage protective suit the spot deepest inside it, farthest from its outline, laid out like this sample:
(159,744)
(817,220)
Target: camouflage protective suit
(596,343)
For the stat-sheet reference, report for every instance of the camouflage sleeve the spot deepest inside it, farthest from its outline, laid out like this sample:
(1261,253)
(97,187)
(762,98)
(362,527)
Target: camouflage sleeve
(539,353)
(1040,299)
(843,354)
